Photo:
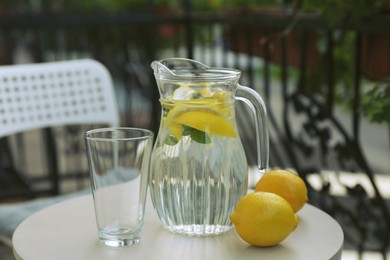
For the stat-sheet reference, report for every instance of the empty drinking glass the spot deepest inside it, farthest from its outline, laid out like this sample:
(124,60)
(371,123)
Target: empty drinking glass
(119,160)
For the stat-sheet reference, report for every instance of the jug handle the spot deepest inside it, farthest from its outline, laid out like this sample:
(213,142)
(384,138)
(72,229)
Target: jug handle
(256,104)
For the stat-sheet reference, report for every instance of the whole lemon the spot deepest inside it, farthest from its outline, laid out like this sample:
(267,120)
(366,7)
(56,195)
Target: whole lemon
(286,184)
(263,218)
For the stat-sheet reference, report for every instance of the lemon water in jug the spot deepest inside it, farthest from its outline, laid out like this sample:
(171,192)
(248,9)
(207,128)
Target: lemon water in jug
(199,168)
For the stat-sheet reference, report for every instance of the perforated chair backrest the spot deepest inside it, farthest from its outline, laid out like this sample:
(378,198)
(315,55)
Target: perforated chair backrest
(55,94)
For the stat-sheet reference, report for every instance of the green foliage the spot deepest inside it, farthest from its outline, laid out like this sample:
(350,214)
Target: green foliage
(343,64)
(375,96)
(103,5)
(253,3)
(134,5)
(376,102)
(347,12)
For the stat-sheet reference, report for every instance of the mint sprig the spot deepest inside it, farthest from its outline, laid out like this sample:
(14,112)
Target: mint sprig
(195,134)
(200,136)
(171,140)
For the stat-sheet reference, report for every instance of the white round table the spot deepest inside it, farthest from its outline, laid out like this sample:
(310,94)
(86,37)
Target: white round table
(67,230)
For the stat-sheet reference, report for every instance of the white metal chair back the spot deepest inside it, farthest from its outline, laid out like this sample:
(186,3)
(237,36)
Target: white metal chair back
(55,94)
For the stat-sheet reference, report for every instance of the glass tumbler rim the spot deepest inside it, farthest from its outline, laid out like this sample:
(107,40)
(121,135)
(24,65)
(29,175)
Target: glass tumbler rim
(145,134)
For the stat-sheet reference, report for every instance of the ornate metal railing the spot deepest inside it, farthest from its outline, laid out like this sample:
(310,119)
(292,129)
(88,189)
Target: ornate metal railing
(313,138)
(307,133)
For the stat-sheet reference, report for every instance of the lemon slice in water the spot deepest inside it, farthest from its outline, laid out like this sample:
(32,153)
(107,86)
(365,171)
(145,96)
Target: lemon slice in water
(207,122)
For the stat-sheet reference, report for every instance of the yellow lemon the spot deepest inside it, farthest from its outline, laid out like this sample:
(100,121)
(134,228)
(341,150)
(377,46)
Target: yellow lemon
(177,109)
(263,218)
(286,184)
(222,96)
(176,130)
(205,92)
(207,113)
(207,122)
(179,106)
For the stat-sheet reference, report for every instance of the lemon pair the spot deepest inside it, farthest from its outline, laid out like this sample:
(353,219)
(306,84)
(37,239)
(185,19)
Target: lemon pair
(267,216)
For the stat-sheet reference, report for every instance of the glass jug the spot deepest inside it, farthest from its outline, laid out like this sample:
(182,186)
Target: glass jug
(199,168)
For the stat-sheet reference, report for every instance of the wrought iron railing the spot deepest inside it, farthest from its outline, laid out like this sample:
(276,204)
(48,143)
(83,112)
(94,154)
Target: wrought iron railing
(306,132)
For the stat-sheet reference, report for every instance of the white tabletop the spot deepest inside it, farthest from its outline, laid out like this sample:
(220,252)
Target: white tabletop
(68,231)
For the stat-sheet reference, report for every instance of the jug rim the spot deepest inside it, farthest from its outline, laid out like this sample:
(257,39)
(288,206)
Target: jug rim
(201,73)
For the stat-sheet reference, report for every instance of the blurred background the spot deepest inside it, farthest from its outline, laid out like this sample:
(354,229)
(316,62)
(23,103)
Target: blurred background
(322,67)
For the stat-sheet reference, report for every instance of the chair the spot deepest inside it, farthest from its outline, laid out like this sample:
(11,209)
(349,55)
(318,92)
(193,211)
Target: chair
(42,97)
(47,98)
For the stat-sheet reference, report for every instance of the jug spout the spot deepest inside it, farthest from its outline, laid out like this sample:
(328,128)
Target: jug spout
(160,69)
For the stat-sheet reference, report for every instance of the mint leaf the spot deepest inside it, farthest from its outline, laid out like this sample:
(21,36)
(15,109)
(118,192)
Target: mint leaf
(200,136)
(197,96)
(195,134)
(171,140)
(187,130)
